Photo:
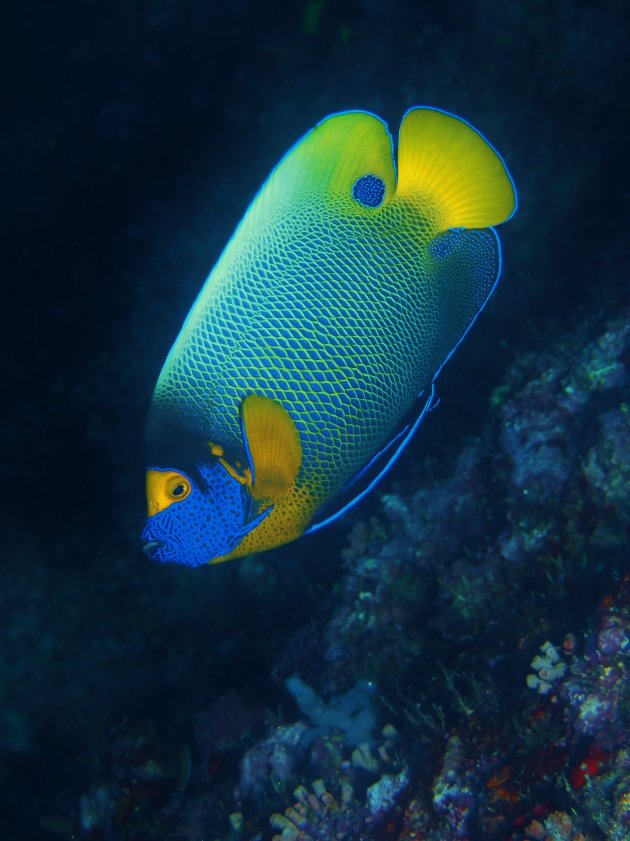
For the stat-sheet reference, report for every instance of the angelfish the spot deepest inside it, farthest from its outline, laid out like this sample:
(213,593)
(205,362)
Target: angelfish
(308,360)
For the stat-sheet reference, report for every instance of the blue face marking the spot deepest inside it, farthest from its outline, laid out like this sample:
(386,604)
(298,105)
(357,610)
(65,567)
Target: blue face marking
(210,522)
(369,190)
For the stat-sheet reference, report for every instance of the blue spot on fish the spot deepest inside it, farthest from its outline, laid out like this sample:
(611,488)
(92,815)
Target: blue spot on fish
(369,190)
(443,244)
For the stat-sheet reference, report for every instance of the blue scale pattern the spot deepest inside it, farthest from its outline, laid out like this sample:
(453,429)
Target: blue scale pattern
(344,335)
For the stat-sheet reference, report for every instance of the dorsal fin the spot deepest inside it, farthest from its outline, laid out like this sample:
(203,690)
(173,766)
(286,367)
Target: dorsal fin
(444,160)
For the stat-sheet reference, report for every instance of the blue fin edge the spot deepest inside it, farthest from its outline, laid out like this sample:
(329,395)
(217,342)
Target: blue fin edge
(407,434)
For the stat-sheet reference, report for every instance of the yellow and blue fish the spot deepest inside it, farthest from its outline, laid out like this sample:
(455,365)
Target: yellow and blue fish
(309,357)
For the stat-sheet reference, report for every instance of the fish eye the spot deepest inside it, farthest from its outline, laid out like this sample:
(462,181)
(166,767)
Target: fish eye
(178,488)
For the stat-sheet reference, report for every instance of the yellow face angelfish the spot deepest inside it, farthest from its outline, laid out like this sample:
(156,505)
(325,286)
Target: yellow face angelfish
(308,359)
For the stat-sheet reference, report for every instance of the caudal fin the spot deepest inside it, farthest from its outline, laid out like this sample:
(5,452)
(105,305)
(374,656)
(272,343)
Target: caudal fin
(446,162)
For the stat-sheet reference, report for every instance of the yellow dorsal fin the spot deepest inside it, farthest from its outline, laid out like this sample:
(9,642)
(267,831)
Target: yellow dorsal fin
(273,446)
(444,160)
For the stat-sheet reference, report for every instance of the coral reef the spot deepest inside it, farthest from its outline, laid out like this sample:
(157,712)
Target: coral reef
(350,712)
(141,703)
(441,628)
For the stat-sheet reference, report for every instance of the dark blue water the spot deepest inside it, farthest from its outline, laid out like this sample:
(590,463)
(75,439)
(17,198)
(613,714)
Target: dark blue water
(135,135)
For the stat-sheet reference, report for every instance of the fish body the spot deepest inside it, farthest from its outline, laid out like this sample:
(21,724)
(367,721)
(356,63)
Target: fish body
(319,333)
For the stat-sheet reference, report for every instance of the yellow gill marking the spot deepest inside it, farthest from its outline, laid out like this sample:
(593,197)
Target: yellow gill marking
(243,477)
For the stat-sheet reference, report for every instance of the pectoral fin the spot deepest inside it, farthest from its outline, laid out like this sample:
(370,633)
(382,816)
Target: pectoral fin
(273,446)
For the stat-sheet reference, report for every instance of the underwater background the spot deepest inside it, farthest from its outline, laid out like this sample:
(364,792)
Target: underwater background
(451,659)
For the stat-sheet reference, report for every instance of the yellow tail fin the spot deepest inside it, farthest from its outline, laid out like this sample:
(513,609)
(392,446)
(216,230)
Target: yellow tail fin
(447,162)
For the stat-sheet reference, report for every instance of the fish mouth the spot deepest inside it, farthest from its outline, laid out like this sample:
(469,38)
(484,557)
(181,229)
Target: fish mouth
(151,548)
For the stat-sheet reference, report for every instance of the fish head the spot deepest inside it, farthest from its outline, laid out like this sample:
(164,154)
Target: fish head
(204,514)
(197,516)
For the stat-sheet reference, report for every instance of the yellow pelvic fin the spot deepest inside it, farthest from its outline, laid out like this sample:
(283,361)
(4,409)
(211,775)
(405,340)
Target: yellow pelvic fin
(273,446)
(446,161)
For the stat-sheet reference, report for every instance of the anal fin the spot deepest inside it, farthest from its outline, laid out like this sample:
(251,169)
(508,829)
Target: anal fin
(371,474)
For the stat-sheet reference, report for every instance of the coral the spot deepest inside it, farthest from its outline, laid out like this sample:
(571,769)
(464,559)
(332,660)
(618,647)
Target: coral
(350,712)
(474,572)
(454,791)
(273,760)
(147,776)
(382,794)
(549,668)
(318,816)
(597,689)
(556,827)
(593,695)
